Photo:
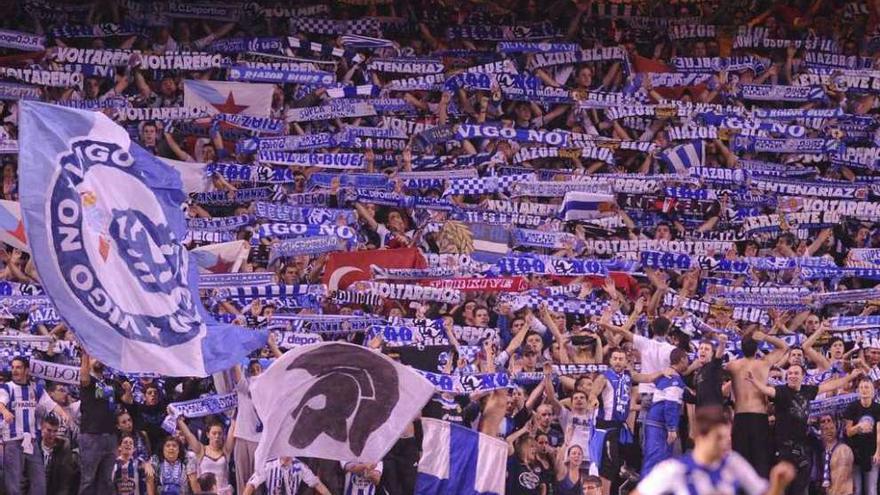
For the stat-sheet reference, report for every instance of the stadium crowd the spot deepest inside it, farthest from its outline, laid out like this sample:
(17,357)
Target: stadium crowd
(636,241)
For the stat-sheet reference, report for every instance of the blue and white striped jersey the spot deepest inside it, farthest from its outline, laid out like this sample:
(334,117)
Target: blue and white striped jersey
(684,476)
(355,484)
(283,478)
(22,402)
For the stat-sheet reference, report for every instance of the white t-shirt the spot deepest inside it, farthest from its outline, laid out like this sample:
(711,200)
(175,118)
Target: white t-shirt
(246,420)
(584,424)
(683,477)
(655,357)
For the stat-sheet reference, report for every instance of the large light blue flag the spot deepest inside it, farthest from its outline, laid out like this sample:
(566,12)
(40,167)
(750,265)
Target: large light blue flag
(104,222)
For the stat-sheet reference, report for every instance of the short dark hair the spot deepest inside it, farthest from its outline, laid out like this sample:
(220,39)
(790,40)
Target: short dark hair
(708,418)
(660,326)
(23,360)
(123,436)
(749,346)
(616,349)
(51,420)
(676,355)
(207,482)
(790,366)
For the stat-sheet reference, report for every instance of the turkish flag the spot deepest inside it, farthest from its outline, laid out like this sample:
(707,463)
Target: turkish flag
(345,268)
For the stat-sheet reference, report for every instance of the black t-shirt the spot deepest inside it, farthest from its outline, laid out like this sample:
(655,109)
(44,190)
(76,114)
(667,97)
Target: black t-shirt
(707,383)
(98,414)
(445,409)
(792,409)
(521,479)
(149,419)
(863,444)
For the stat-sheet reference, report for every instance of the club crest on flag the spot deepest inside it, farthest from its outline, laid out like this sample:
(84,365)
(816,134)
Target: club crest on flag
(147,254)
(106,230)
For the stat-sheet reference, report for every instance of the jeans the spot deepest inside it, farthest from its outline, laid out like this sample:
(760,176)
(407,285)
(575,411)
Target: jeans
(865,482)
(17,464)
(97,452)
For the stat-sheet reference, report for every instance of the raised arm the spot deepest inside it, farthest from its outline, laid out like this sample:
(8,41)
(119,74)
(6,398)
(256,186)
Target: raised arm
(780,345)
(828,386)
(821,361)
(549,391)
(191,441)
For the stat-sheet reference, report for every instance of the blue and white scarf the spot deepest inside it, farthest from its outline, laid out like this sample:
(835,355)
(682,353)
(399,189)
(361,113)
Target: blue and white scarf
(752,144)
(770,92)
(541,60)
(336,109)
(242,73)
(54,79)
(295,214)
(535,47)
(410,292)
(358,181)
(542,30)
(252,123)
(469,383)
(716,64)
(547,265)
(306,245)
(406,65)
(338,161)
(22,41)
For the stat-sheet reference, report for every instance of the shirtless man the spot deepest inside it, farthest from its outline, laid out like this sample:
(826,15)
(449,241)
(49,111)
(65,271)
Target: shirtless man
(751,428)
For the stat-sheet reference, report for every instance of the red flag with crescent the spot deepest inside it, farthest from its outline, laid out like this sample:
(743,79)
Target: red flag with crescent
(345,268)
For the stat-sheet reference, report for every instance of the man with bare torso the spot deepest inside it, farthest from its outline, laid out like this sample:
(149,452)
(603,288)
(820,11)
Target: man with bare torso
(751,428)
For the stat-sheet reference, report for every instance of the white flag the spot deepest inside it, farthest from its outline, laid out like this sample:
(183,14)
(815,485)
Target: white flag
(335,400)
(229,97)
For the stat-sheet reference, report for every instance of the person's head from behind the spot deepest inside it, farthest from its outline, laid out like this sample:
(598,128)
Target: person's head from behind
(712,428)
(524,447)
(749,346)
(678,359)
(660,326)
(208,482)
(49,429)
